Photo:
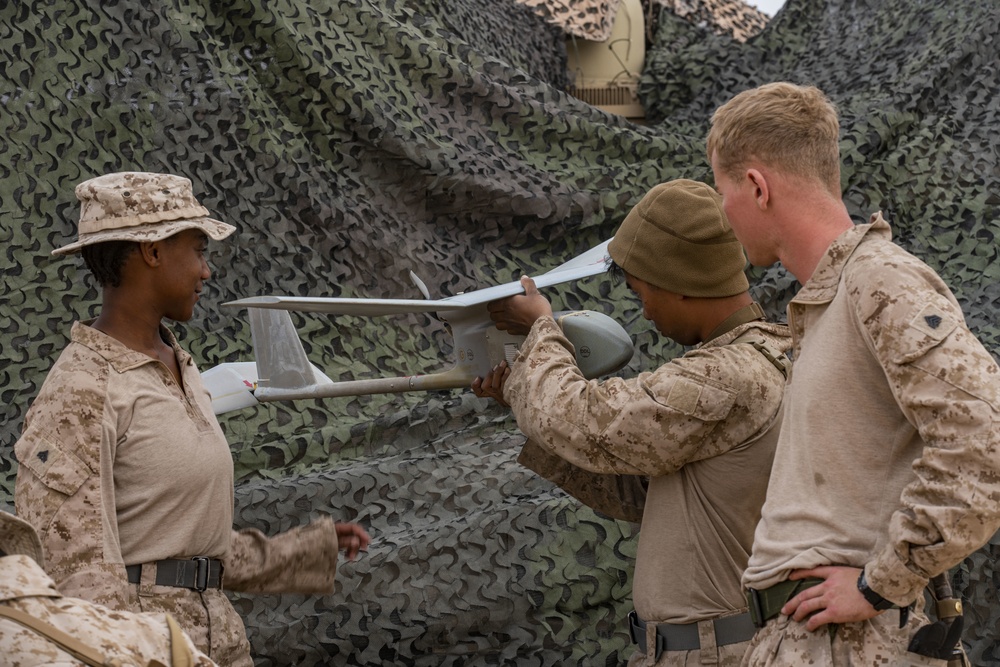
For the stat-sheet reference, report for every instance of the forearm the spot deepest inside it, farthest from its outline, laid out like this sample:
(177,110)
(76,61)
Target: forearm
(946,513)
(555,406)
(300,560)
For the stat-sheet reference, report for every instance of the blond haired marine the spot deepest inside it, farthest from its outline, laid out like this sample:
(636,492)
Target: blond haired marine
(887,471)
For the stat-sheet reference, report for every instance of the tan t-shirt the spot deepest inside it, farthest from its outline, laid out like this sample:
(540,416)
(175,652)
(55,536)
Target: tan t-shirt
(119,465)
(888,454)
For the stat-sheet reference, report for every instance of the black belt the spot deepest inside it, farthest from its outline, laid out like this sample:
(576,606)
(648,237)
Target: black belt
(198,573)
(766,603)
(676,637)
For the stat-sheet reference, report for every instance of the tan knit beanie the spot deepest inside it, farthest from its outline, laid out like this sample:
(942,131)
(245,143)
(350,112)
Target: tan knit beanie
(678,238)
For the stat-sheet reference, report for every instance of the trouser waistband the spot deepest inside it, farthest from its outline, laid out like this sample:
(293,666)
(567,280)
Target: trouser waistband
(684,637)
(766,603)
(197,573)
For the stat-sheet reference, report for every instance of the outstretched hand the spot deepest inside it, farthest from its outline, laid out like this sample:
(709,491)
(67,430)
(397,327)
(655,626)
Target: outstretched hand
(516,314)
(351,539)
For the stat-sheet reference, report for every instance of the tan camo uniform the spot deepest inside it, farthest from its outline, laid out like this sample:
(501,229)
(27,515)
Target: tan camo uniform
(119,638)
(128,468)
(905,482)
(121,466)
(702,428)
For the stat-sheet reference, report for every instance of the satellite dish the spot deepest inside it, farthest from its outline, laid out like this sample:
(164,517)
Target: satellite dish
(606,74)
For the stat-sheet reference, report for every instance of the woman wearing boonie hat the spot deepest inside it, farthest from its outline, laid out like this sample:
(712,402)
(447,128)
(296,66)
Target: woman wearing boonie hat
(124,468)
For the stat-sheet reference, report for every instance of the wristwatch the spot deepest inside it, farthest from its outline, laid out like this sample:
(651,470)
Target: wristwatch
(874,599)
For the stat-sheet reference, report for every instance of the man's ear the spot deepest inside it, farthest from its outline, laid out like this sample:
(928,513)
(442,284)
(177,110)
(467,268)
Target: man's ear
(761,192)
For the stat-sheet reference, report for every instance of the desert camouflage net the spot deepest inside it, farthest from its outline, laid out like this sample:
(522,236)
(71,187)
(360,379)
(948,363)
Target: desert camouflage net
(351,142)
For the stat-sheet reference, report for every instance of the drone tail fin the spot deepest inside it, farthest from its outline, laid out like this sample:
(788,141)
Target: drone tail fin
(281,366)
(281,360)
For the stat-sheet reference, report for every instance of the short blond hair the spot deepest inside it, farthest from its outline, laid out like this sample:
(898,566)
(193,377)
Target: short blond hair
(790,128)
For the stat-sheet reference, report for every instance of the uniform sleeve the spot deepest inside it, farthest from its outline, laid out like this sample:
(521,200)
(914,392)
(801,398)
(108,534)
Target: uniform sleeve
(300,560)
(59,483)
(621,497)
(946,385)
(651,425)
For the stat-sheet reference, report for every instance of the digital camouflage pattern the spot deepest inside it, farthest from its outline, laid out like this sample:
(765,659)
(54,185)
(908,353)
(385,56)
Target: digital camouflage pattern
(872,642)
(917,484)
(702,428)
(104,402)
(729,655)
(137,206)
(948,386)
(123,639)
(351,142)
(689,410)
(618,496)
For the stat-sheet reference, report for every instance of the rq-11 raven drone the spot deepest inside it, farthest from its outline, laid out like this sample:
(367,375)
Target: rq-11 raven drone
(283,372)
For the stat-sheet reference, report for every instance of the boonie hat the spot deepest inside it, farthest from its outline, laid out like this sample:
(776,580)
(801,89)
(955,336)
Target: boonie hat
(139,206)
(678,238)
(18,537)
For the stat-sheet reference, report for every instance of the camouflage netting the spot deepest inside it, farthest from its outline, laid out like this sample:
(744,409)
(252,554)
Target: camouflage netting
(354,141)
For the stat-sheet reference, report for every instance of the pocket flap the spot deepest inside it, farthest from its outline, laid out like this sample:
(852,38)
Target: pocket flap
(931,325)
(700,399)
(57,468)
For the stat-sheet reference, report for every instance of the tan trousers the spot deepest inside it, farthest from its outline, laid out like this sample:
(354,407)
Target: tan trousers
(709,654)
(208,618)
(877,642)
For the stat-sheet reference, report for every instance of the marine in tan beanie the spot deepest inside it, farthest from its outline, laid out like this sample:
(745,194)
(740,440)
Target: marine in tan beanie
(685,447)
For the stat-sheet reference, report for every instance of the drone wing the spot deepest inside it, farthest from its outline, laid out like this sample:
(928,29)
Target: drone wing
(590,263)
(282,370)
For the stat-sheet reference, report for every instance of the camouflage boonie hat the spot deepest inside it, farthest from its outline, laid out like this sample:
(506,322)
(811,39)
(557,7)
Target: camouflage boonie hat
(138,206)
(18,537)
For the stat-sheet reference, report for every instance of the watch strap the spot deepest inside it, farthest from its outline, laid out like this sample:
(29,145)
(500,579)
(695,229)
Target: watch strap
(873,598)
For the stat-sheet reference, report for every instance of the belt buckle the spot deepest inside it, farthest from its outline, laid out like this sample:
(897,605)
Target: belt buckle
(201,573)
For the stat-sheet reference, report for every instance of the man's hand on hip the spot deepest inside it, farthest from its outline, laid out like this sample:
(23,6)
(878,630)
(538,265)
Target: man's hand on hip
(836,600)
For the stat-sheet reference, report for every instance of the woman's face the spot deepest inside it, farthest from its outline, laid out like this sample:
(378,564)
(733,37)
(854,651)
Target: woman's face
(185,270)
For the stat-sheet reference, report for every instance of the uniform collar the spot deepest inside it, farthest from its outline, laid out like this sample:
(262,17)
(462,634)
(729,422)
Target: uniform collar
(748,313)
(822,286)
(121,357)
